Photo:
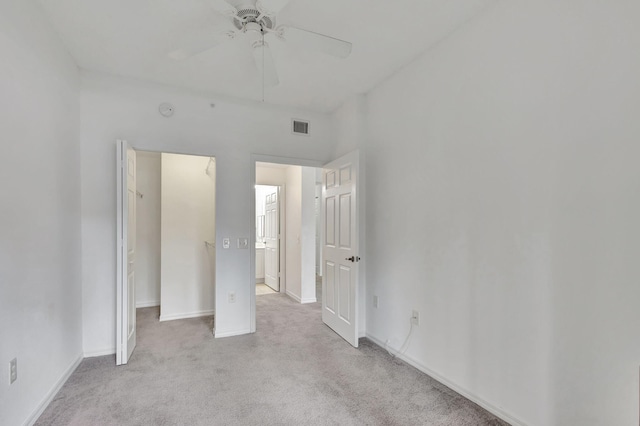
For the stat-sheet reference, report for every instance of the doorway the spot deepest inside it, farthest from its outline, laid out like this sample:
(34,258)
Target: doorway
(170,229)
(286,233)
(340,216)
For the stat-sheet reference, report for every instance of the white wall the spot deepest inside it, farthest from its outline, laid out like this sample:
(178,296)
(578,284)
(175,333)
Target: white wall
(113,108)
(293,274)
(350,122)
(266,175)
(319,229)
(300,233)
(308,235)
(148,229)
(187,270)
(40,289)
(503,202)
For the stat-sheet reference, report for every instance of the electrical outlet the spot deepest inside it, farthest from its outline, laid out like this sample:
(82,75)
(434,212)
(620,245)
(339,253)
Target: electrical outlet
(13,370)
(232,297)
(226,243)
(415,317)
(375,301)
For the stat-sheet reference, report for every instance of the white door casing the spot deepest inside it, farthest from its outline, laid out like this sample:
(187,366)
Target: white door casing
(340,247)
(126,250)
(272,240)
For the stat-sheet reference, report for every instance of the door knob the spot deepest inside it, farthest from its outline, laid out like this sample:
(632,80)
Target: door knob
(353,259)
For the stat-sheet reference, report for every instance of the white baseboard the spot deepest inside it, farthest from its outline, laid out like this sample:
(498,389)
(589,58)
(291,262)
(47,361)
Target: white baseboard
(217,334)
(469,395)
(293,296)
(52,392)
(100,352)
(260,280)
(150,304)
(186,315)
(300,300)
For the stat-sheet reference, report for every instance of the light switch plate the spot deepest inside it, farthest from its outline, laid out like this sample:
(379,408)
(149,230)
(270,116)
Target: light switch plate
(13,370)
(243,243)
(226,243)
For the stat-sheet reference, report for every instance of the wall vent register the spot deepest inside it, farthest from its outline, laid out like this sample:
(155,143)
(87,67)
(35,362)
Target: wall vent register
(300,127)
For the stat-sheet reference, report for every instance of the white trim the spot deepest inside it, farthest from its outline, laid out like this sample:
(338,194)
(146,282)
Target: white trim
(462,391)
(300,300)
(231,333)
(52,392)
(187,315)
(101,352)
(149,304)
(293,296)
(121,274)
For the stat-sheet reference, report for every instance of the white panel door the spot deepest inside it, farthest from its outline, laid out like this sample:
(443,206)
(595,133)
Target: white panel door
(126,246)
(272,241)
(340,247)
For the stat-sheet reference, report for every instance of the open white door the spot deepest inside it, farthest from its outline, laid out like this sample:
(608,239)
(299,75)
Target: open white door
(340,247)
(272,240)
(126,250)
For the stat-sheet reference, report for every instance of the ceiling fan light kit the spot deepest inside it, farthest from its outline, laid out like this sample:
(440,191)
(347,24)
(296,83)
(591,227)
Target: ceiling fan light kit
(255,21)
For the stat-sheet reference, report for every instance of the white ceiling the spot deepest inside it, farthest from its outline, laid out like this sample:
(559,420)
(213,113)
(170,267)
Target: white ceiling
(132,38)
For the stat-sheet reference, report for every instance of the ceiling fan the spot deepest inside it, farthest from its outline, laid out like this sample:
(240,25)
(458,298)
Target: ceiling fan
(253,20)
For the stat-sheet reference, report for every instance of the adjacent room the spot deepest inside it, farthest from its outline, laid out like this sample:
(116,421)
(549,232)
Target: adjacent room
(466,187)
(288,230)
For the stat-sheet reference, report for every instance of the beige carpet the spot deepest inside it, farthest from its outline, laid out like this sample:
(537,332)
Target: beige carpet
(293,371)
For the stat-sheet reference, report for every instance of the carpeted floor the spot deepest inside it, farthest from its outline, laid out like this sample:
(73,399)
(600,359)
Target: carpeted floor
(293,371)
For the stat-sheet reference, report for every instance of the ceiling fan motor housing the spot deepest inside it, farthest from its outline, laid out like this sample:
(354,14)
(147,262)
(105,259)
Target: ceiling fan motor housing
(249,14)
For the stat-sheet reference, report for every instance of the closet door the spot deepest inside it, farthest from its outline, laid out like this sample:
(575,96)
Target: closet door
(126,255)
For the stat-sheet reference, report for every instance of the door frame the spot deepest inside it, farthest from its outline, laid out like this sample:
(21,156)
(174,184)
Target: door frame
(260,158)
(119,206)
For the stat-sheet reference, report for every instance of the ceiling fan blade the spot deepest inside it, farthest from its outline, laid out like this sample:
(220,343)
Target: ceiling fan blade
(266,66)
(314,41)
(271,7)
(199,43)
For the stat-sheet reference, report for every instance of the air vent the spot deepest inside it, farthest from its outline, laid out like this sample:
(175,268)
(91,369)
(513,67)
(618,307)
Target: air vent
(300,127)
